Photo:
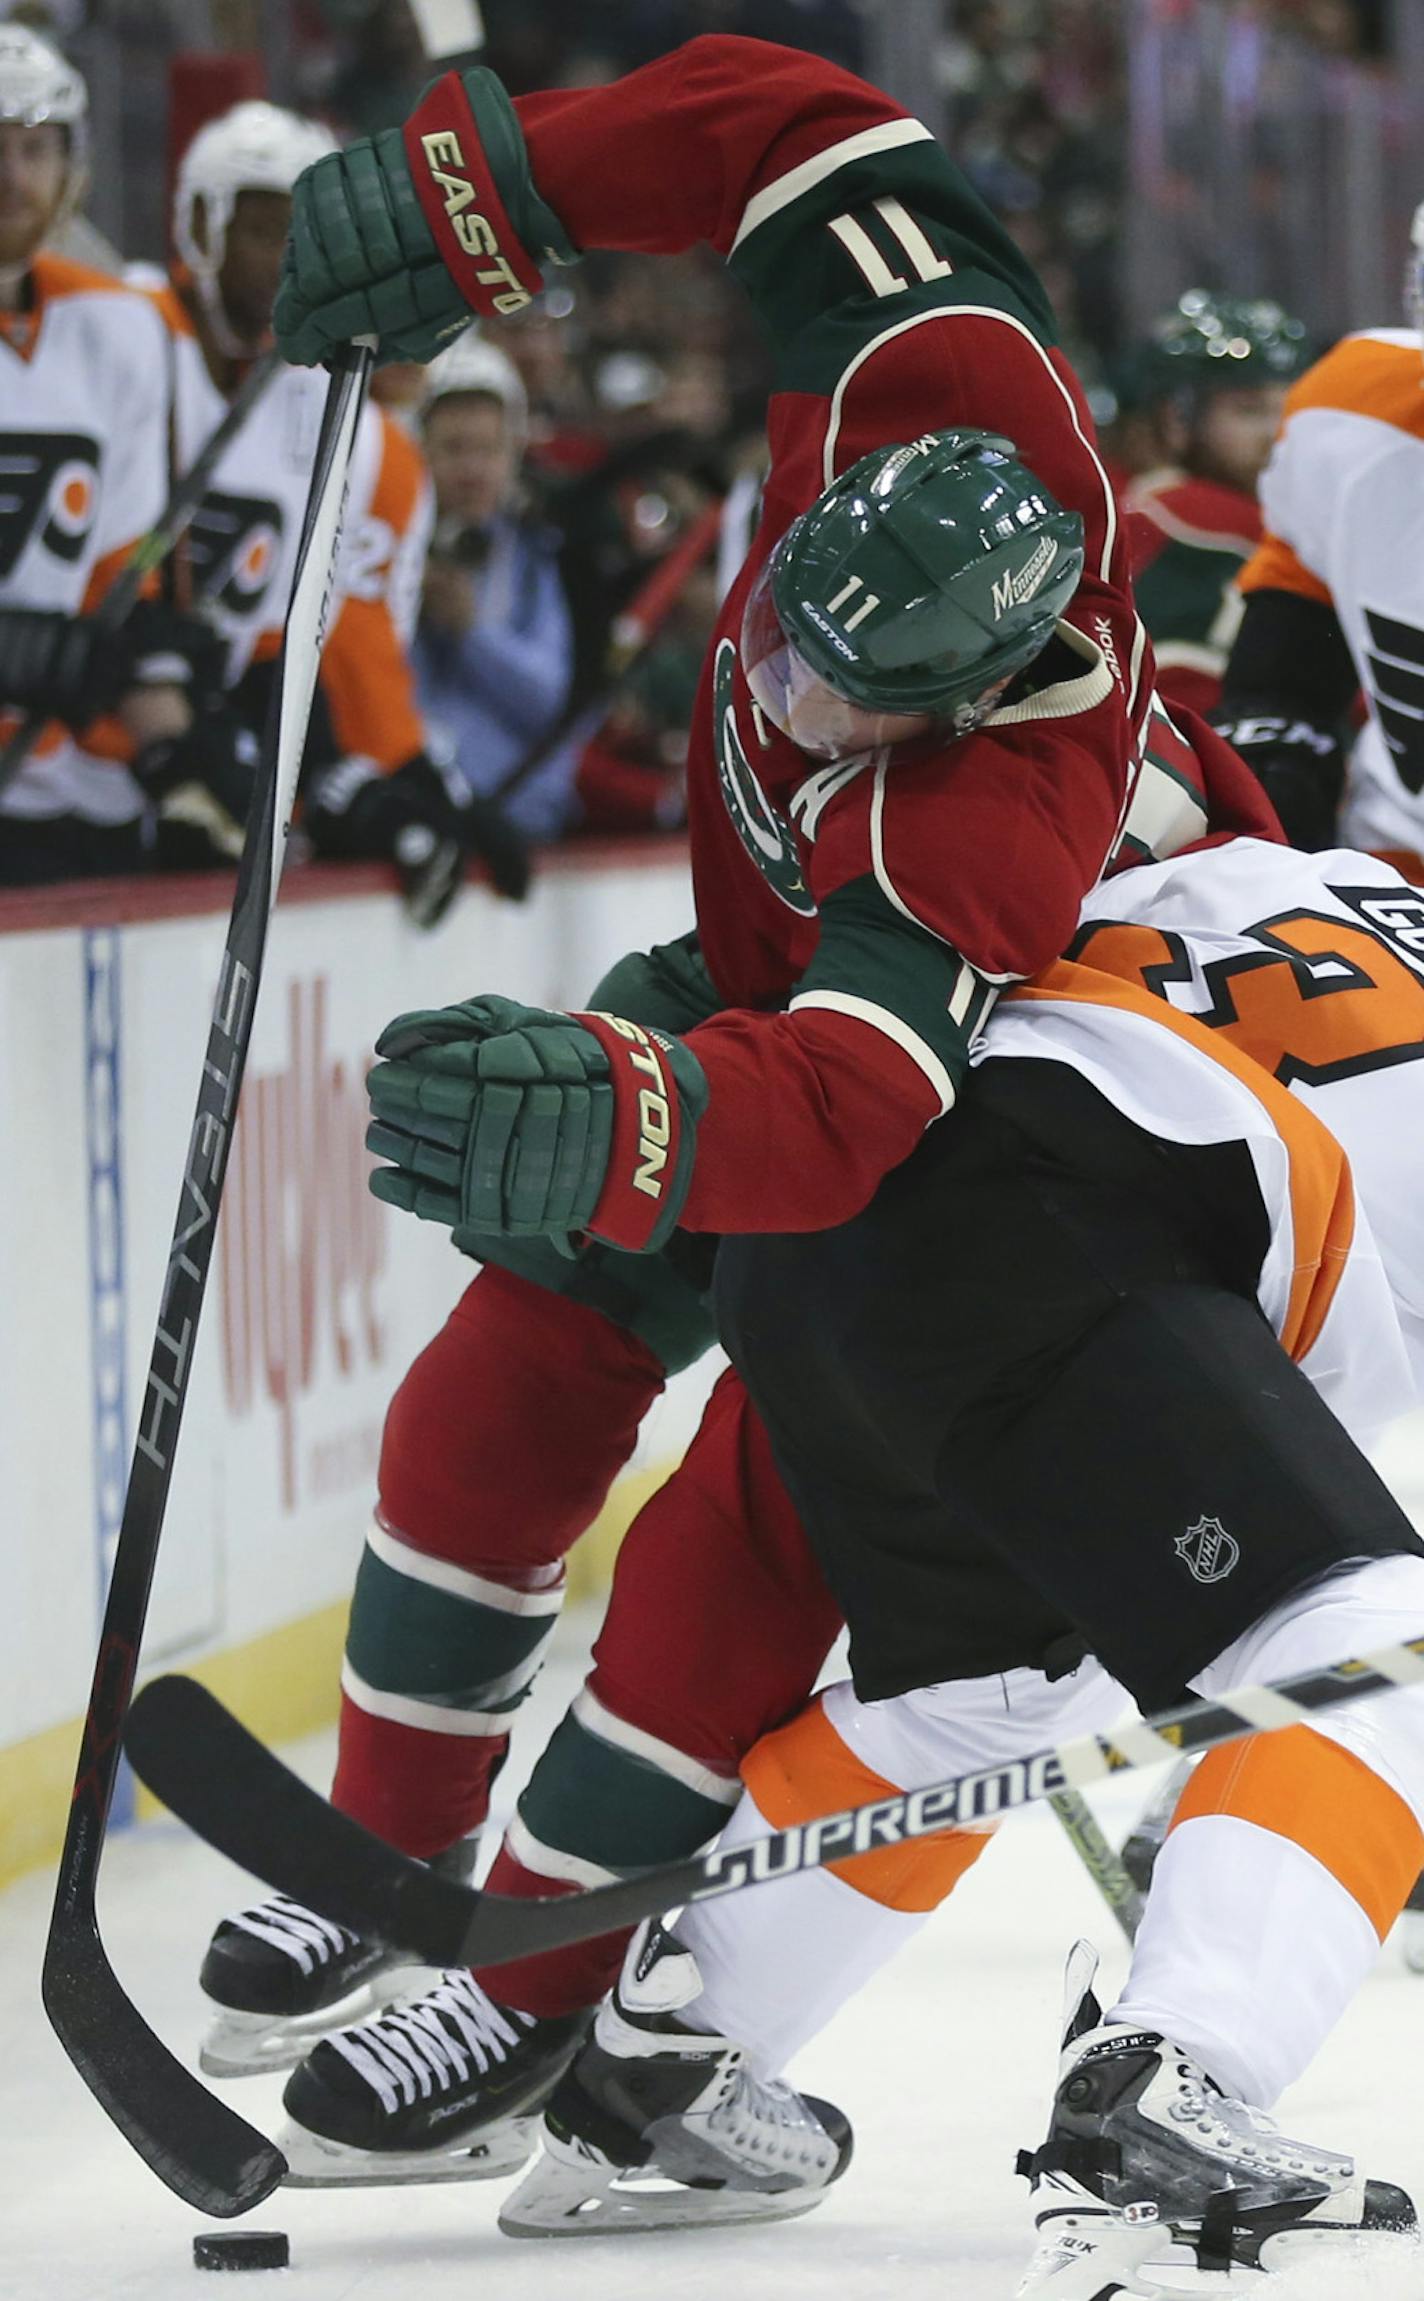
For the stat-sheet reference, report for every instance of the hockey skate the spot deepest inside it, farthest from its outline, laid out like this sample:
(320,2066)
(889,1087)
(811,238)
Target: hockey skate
(446,2087)
(281,1977)
(658,2125)
(1149,2166)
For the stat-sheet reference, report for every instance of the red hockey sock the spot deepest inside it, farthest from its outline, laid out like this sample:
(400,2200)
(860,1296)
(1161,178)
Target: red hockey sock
(499,1450)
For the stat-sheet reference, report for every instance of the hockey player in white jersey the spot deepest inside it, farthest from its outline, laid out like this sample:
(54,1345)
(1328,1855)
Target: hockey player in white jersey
(1199,1132)
(1335,599)
(82,430)
(371,790)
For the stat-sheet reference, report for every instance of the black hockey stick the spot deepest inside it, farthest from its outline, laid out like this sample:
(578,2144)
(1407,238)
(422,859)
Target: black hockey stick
(192,2141)
(197,1758)
(152,549)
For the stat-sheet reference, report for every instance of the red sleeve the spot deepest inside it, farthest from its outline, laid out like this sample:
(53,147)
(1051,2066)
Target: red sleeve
(1186,686)
(991,845)
(672,154)
(807,1114)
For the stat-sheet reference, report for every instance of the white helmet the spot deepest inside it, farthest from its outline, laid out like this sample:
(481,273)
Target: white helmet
(1414,274)
(473,364)
(36,85)
(255,147)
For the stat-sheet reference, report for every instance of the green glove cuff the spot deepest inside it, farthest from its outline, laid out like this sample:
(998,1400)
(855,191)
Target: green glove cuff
(467,161)
(508,155)
(665,989)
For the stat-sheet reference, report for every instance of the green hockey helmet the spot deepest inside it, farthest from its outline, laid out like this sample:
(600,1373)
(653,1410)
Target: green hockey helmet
(1211,343)
(915,587)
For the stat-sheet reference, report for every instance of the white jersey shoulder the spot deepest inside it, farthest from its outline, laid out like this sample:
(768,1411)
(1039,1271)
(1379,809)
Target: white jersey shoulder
(1313,967)
(1345,490)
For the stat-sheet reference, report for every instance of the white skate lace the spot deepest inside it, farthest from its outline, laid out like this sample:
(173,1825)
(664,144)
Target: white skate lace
(1233,2129)
(433,2043)
(308,1939)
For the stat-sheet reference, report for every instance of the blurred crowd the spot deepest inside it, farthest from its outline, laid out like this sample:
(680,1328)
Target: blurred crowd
(572,496)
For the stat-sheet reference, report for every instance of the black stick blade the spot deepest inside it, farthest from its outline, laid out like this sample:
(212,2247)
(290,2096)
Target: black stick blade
(225,2166)
(225,1784)
(230,1788)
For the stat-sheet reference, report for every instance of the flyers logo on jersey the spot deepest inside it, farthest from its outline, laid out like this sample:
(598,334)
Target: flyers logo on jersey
(476,235)
(234,545)
(49,488)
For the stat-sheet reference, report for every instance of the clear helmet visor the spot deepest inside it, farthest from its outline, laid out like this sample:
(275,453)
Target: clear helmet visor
(797,700)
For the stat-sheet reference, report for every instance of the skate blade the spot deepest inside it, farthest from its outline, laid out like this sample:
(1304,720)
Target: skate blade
(1351,2253)
(1091,2254)
(256,2044)
(314,2163)
(585,2199)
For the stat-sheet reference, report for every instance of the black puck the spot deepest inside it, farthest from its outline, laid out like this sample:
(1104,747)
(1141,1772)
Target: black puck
(241,2249)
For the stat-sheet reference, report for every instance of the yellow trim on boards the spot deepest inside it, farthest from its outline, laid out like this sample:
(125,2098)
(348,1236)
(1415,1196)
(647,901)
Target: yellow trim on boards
(283,1685)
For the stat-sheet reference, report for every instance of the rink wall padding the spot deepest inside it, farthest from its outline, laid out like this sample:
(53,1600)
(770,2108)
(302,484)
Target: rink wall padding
(319,1295)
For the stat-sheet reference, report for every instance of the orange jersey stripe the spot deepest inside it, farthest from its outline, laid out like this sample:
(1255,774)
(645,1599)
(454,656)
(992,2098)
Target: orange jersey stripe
(1273,566)
(1322,1193)
(105,571)
(805,1770)
(1301,1786)
(169,302)
(365,669)
(1364,375)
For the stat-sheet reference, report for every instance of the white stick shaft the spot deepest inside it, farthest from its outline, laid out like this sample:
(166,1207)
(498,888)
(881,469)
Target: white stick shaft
(305,634)
(447,27)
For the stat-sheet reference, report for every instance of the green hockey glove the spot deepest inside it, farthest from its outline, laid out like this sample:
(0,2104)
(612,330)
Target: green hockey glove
(403,235)
(528,1123)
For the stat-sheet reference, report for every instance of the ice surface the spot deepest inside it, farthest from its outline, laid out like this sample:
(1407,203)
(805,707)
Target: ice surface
(944,2065)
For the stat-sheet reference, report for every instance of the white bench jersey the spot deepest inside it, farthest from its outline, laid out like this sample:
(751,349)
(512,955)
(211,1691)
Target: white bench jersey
(83,411)
(242,545)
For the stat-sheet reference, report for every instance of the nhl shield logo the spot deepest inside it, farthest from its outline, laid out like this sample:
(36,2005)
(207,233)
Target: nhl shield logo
(1207,1551)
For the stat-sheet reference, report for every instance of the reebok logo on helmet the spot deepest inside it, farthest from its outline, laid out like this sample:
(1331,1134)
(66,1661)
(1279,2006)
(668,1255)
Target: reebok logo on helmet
(1015,589)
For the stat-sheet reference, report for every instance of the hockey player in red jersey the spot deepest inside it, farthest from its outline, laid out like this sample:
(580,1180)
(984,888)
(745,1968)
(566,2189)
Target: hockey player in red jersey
(896,304)
(858,905)
(1212,375)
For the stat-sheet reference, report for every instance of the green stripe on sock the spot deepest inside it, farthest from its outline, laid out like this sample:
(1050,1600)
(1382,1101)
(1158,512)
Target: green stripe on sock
(406,1637)
(605,1805)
